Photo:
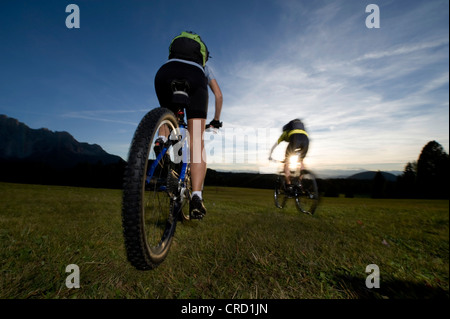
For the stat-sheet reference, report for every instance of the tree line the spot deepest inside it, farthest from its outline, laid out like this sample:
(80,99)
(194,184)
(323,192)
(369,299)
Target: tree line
(425,178)
(428,177)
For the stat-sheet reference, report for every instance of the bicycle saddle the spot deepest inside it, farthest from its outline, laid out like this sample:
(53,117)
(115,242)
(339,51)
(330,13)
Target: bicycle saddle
(180,90)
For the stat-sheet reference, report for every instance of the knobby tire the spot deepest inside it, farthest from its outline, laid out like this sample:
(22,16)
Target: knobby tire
(141,252)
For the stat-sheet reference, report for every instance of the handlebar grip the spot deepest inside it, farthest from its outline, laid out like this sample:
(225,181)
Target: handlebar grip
(214,124)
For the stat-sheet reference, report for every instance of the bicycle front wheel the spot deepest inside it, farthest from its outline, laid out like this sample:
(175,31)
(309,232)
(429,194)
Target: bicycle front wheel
(150,182)
(306,193)
(279,193)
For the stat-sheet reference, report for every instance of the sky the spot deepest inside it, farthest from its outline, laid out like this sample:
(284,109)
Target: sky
(371,98)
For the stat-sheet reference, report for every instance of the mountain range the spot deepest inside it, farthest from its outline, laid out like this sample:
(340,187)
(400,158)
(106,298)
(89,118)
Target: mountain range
(370,175)
(42,156)
(18,142)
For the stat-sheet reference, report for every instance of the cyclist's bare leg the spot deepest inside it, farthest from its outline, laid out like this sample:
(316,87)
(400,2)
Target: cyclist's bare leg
(302,167)
(164,131)
(287,172)
(196,128)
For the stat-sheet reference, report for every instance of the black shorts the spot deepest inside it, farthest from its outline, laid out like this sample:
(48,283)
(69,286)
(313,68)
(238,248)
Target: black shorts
(298,141)
(198,84)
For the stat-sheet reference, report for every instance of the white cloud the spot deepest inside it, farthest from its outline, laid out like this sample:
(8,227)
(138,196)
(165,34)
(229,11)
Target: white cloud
(403,49)
(111,116)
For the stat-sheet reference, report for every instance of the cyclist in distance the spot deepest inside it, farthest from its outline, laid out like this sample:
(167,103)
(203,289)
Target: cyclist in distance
(187,61)
(295,134)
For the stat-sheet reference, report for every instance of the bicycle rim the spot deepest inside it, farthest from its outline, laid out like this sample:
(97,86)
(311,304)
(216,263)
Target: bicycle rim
(150,182)
(279,194)
(306,193)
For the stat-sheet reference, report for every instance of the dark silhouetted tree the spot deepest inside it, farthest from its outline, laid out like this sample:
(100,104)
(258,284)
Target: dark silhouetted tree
(432,171)
(407,181)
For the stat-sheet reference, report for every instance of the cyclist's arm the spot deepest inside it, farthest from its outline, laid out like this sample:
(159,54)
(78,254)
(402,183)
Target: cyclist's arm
(271,151)
(212,82)
(280,139)
(218,97)
(283,137)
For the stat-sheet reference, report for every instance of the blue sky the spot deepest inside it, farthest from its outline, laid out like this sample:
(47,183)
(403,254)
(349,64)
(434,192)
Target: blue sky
(370,98)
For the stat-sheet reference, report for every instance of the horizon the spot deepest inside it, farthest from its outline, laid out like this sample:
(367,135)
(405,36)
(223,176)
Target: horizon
(270,168)
(371,98)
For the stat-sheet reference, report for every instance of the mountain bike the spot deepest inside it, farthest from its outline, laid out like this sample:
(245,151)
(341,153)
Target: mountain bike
(157,183)
(303,188)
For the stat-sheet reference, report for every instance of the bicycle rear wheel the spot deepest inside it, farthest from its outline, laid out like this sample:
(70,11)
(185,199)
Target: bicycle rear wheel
(150,182)
(279,193)
(306,192)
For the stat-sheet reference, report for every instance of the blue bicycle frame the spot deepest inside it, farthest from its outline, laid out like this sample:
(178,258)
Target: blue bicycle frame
(181,135)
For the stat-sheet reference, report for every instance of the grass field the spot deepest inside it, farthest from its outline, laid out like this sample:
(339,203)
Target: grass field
(244,248)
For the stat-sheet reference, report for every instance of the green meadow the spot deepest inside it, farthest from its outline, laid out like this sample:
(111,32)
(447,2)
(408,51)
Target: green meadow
(245,248)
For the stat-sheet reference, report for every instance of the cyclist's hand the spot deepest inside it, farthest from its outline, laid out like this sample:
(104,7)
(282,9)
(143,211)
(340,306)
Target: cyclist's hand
(214,124)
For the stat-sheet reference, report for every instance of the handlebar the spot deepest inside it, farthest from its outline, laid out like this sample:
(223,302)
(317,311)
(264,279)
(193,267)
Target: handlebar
(276,161)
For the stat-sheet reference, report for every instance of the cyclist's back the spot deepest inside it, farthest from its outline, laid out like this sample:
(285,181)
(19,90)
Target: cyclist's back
(187,58)
(295,134)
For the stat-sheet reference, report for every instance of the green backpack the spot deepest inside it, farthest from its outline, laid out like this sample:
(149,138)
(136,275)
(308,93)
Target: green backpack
(189,46)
